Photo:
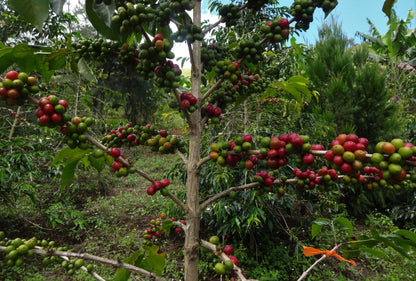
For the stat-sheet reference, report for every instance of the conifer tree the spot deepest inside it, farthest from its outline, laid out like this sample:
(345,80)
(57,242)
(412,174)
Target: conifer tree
(353,96)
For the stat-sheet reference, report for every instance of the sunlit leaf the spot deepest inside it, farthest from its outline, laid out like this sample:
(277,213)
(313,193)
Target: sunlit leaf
(318,224)
(6,58)
(375,252)
(346,224)
(71,157)
(124,274)
(166,226)
(33,11)
(388,6)
(85,71)
(153,261)
(100,18)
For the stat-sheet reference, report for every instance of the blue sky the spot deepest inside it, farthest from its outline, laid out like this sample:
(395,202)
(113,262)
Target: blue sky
(352,14)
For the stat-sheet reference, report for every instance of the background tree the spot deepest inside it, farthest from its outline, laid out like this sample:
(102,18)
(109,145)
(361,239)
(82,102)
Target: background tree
(353,95)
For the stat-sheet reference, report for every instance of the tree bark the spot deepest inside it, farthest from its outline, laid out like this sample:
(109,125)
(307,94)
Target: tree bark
(191,247)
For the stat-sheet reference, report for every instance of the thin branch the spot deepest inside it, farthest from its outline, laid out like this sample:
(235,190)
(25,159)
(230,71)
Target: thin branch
(35,224)
(85,256)
(145,34)
(306,272)
(14,123)
(203,160)
(120,159)
(212,26)
(217,196)
(213,88)
(177,201)
(182,156)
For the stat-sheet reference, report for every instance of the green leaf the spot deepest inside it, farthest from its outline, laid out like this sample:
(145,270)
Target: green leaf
(166,226)
(6,58)
(406,233)
(124,274)
(349,254)
(375,252)
(33,11)
(153,260)
(388,6)
(72,157)
(57,60)
(24,57)
(318,224)
(85,71)
(100,18)
(369,243)
(389,243)
(345,224)
(97,163)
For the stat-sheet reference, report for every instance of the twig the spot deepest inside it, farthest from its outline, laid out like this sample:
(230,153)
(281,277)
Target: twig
(14,123)
(226,192)
(85,256)
(35,224)
(213,87)
(182,156)
(120,159)
(306,272)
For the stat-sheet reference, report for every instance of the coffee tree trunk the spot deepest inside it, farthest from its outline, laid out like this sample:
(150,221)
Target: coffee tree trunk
(191,247)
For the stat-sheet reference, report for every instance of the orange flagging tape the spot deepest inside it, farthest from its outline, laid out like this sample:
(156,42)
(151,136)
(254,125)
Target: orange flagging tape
(309,251)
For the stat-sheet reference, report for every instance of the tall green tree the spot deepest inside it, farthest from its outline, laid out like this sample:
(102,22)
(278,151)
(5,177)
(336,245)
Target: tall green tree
(353,94)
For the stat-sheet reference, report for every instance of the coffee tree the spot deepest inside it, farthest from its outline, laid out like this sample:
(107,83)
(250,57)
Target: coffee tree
(138,34)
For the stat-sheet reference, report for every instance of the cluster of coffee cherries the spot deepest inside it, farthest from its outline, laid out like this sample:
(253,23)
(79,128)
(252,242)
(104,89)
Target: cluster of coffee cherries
(211,53)
(326,5)
(189,32)
(276,31)
(70,266)
(228,265)
(159,186)
(256,4)
(97,49)
(214,113)
(118,167)
(15,87)
(230,152)
(230,14)
(168,75)
(164,142)
(161,228)
(129,18)
(75,130)
(245,85)
(307,179)
(124,135)
(249,49)
(264,178)
(51,111)
(17,249)
(188,102)
(347,153)
(302,11)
